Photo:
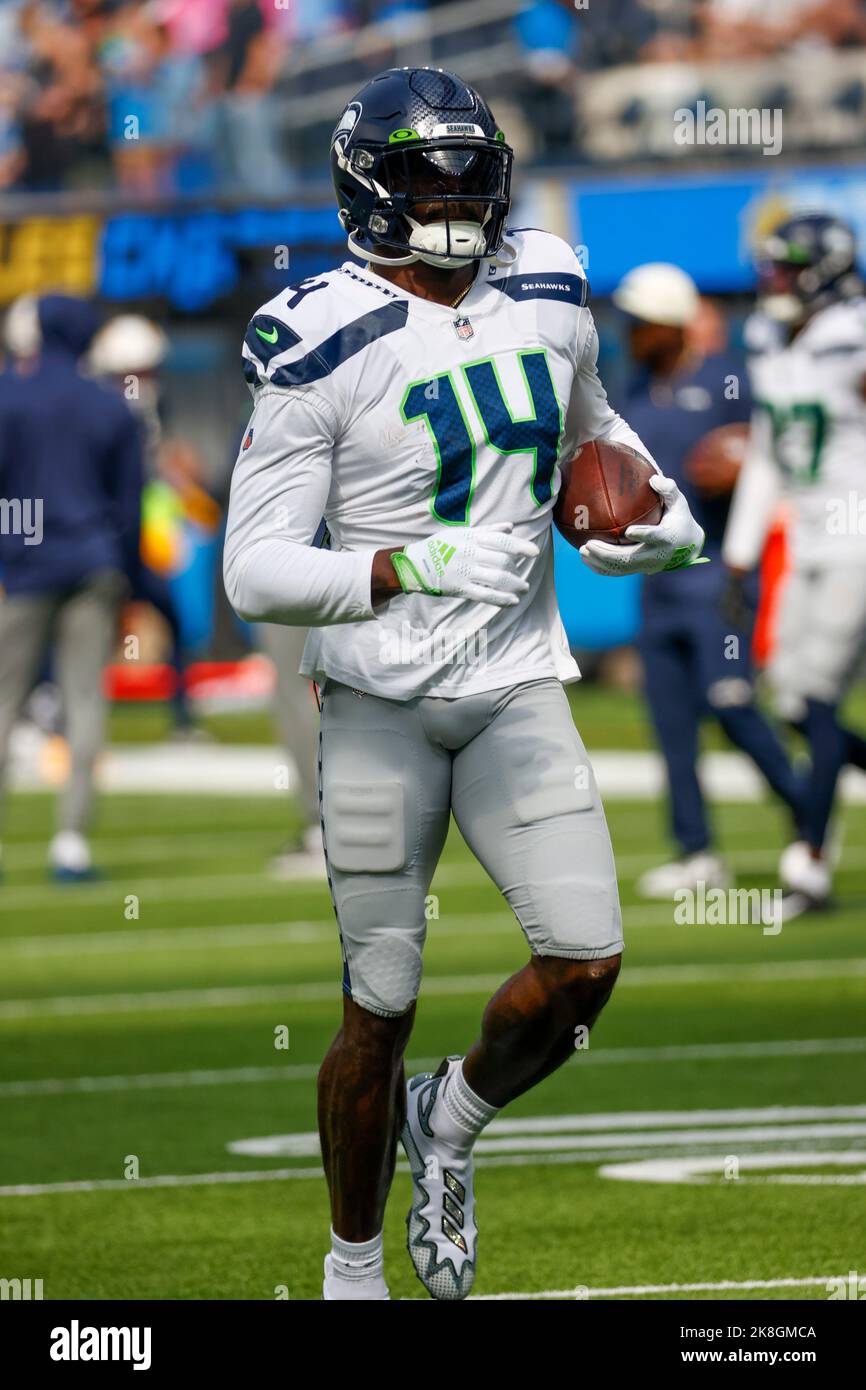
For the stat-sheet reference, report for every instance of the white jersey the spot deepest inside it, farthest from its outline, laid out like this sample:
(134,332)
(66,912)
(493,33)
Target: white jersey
(808,441)
(394,417)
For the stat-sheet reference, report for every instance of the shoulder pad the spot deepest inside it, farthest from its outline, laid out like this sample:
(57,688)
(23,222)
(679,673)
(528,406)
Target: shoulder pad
(837,330)
(761,334)
(545,267)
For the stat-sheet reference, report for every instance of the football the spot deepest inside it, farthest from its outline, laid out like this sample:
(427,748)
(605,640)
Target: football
(605,489)
(714,463)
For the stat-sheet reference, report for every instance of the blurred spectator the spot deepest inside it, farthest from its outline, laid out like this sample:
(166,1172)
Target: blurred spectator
(549,33)
(302,23)
(195,26)
(617,31)
(179,516)
(733,29)
(179,95)
(151,92)
(13,159)
(70,454)
(243,71)
(60,105)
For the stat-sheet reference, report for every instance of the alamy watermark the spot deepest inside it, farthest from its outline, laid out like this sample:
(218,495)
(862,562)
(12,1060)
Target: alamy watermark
(22,516)
(729,907)
(846,516)
(24,1290)
(412,646)
(740,125)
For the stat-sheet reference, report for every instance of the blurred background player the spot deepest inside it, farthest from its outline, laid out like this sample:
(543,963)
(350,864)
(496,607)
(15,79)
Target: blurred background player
(70,455)
(690,407)
(808,443)
(129,351)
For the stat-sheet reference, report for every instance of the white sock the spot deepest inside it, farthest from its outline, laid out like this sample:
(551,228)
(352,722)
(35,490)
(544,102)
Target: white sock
(460,1115)
(355,1269)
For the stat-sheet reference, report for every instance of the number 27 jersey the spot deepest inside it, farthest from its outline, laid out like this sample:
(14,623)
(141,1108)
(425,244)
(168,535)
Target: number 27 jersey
(810,425)
(394,417)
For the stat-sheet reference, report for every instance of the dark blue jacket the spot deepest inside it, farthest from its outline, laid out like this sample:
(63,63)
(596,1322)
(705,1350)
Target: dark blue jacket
(670,419)
(75,446)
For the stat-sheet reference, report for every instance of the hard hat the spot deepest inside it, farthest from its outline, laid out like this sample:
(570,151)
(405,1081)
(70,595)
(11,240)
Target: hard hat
(658,293)
(128,343)
(21,333)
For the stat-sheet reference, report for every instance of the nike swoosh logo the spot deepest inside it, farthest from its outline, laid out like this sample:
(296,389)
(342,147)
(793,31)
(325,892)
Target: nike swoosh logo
(269,337)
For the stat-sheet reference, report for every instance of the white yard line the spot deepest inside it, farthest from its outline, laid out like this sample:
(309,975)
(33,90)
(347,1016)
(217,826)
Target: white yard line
(497,921)
(643,1290)
(315,992)
(248,770)
(208,883)
(47,1189)
(301,1072)
(606,1137)
(48,897)
(134,849)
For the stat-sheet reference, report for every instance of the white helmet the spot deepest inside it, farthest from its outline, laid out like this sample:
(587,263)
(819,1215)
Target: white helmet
(658,293)
(21,333)
(128,343)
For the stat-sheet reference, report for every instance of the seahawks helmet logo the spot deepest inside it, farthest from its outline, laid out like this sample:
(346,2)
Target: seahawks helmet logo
(348,120)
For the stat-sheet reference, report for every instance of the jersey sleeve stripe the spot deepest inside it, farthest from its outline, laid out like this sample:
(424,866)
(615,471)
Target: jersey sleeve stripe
(342,345)
(570,289)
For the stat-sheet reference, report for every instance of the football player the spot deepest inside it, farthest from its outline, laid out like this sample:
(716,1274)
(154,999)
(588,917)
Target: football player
(808,443)
(420,401)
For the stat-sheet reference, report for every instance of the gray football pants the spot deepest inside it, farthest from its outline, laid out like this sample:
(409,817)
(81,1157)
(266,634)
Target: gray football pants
(82,629)
(511,766)
(295,708)
(820,636)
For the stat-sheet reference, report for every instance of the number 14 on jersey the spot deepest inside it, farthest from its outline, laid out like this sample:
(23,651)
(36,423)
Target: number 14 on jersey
(436,401)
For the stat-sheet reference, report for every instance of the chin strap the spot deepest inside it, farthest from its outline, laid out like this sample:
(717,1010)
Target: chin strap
(363,254)
(500,259)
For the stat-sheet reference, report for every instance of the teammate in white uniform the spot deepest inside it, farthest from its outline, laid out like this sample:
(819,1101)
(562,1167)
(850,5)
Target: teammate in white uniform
(420,404)
(808,446)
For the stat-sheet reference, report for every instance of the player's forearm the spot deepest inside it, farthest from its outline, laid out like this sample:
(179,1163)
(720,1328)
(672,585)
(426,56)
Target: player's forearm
(276,580)
(755,498)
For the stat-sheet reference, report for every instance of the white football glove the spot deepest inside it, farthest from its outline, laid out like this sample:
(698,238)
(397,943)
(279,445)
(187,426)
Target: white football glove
(675,542)
(478,562)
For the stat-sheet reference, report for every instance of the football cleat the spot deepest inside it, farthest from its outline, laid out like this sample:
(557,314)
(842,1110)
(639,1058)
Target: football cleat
(69,859)
(442,1234)
(793,905)
(668,879)
(801,873)
(807,882)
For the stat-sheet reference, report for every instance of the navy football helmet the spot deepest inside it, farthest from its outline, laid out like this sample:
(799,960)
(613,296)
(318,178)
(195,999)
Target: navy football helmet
(804,264)
(421,171)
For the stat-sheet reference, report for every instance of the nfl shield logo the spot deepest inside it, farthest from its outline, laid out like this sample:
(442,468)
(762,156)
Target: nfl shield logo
(249,439)
(463,328)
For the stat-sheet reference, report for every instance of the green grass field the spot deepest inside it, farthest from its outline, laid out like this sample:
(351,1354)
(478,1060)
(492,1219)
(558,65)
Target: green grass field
(150,1040)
